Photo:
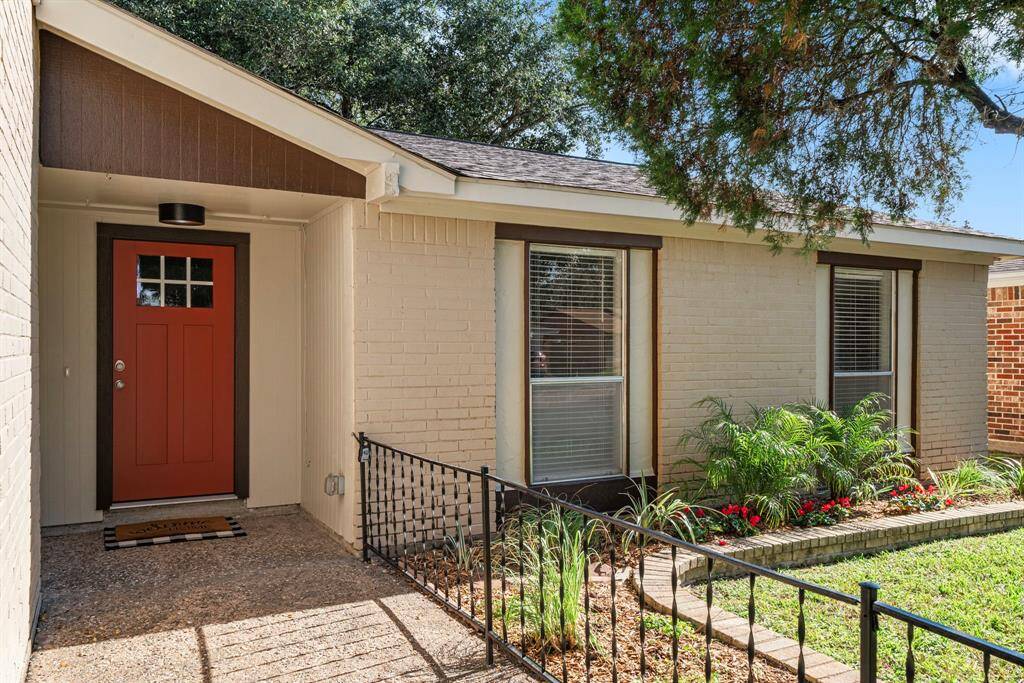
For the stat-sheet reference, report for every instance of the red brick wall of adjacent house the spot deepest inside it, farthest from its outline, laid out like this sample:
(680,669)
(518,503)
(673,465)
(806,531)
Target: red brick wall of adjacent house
(1006,368)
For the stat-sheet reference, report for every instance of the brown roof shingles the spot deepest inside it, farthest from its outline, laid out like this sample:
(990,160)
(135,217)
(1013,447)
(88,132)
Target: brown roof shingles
(476,160)
(492,162)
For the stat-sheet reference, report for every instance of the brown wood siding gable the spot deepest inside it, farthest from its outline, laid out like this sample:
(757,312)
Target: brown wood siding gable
(96,115)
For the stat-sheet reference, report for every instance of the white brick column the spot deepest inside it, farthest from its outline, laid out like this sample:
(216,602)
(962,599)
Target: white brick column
(19,472)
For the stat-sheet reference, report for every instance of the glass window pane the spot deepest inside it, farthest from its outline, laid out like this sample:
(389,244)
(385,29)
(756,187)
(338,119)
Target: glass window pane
(202,296)
(576,430)
(849,389)
(862,333)
(147,294)
(575,312)
(576,383)
(148,267)
(174,267)
(202,269)
(174,295)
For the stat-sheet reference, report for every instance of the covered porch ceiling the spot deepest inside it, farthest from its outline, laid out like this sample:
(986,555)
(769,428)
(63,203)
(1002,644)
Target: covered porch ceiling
(63,187)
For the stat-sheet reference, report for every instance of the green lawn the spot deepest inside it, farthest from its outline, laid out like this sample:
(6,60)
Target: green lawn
(973,584)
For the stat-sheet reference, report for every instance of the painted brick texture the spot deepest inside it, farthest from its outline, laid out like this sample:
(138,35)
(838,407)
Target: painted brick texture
(951,363)
(736,322)
(424,335)
(1006,368)
(19,539)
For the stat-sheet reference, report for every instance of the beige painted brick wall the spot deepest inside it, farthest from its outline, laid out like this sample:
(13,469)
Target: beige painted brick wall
(736,322)
(19,472)
(424,335)
(952,362)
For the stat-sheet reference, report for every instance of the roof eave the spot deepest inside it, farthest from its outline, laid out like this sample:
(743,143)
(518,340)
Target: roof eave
(553,198)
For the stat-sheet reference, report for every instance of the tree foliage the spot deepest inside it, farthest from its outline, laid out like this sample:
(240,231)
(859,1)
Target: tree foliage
(798,116)
(483,70)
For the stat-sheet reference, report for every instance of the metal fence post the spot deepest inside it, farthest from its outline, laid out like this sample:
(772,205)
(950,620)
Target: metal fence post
(364,455)
(488,598)
(868,632)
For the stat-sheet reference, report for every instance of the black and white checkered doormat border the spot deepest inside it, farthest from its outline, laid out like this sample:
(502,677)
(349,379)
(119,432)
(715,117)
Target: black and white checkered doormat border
(110,541)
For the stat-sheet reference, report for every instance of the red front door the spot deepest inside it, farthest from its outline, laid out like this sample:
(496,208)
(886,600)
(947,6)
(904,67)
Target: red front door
(173,374)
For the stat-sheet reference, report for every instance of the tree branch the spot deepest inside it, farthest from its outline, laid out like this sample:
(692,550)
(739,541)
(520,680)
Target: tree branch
(993,116)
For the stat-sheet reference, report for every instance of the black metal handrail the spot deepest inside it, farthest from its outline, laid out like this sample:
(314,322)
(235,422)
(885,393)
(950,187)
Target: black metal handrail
(396,518)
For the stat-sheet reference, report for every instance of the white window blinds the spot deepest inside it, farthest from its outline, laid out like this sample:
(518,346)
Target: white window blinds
(862,335)
(576,363)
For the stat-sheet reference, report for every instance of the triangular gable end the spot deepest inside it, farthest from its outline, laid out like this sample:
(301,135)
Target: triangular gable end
(97,115)
(120,37)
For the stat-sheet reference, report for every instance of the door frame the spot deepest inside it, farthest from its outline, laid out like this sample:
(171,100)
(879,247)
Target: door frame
(106,233)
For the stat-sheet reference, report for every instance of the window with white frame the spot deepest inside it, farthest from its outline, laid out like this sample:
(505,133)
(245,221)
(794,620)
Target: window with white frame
(863,325)
(576,362)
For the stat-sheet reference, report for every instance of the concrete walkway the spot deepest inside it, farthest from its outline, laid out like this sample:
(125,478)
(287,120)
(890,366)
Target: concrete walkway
(286,603)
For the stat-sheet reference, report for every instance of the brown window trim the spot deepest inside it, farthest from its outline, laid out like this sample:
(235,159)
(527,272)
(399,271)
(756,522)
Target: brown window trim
(575,238)
(840,258)
(106,233)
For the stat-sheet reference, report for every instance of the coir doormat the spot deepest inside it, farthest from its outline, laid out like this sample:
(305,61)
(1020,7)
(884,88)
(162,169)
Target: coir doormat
(162,531)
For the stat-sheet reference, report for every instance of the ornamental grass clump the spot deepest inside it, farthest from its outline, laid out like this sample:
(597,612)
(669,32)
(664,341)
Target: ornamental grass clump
(765,462)
(552,549)
(968,478)
(666,512)
(1009,471)
(861,454)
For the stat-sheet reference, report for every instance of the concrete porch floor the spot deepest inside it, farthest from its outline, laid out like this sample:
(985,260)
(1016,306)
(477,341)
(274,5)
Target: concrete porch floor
(285,603)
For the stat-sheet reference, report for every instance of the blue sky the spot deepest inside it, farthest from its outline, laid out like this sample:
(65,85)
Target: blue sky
(993,199)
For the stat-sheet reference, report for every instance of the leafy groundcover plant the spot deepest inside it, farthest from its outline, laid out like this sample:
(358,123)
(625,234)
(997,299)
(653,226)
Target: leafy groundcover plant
(764,463)
(813,513)
(907,498)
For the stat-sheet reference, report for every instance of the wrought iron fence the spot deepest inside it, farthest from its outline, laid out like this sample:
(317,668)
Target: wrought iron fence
(545,579)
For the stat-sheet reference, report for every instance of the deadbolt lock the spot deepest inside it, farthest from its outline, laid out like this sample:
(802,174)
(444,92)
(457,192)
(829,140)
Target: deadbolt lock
(119,365)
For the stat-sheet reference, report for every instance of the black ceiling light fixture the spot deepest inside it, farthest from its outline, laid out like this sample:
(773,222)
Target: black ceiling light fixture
(176,213)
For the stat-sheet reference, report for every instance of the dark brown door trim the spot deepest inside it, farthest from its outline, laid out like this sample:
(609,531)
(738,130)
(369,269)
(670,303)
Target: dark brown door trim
(577,238)
(838,258)
(106,233)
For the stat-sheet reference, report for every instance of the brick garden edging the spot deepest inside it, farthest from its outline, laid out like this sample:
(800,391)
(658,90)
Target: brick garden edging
(804,547)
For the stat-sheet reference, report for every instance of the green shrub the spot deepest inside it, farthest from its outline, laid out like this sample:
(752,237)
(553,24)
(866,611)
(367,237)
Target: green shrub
(553,560)
(861,453)
(764,463)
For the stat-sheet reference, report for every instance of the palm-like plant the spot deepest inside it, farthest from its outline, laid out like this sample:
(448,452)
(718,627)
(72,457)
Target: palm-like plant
(861,452)
(765,463)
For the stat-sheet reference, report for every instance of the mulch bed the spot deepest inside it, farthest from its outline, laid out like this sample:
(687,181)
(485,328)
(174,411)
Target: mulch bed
(729,664)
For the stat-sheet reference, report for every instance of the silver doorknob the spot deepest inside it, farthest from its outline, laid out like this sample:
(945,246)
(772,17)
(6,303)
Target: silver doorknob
(119,384)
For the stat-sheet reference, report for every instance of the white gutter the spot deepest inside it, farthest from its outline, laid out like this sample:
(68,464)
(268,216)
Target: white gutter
(554,198)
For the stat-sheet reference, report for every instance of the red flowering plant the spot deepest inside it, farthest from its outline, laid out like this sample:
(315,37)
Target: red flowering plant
(739,520)
(815,513)
(907,498)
